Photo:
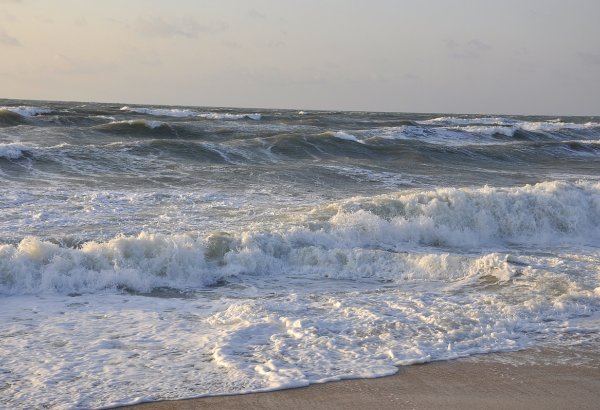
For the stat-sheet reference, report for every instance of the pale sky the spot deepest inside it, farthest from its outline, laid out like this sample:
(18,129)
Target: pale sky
(456,56)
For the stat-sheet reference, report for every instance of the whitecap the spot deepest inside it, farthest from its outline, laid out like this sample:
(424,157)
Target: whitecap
(12,150)
(163,112)
(27,111)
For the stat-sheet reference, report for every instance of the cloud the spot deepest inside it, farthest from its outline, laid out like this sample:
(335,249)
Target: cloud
(186,27)
(473,49)
(231,44)
(63,64)
(276,44)
(254,14)
(7,39)
(589,58)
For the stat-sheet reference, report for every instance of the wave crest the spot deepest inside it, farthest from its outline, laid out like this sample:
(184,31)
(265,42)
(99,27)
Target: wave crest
(177,112)
(391,237)
(13,150)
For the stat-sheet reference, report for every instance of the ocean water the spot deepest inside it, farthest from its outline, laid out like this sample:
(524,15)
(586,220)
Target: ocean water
(154,252)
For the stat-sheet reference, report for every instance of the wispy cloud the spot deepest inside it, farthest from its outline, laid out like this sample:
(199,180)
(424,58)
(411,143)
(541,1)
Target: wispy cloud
(7,39)
(473,49)
(186,27)
(254,14)
(61,63)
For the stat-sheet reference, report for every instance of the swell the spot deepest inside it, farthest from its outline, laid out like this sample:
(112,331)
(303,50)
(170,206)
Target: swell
(393,237)
(9,118)
(164,143)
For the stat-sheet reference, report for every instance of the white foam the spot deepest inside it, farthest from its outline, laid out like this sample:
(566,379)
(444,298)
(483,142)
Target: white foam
(348,137)
(449,121)
(12,150)
(453,136)
(163,112)
(388,179)
(175,112)
(504,126)
(92,351)
(142,263)
(352,239)
(229,116)
(148,124)
(435,274)
(27,111)
(556,126)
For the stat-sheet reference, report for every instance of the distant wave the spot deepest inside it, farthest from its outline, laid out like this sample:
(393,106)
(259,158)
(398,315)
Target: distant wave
(163,112)
(479,131)
(175,112)
(11,116)
(228,116)
(140,138)
(27,111)
(505,126)
(131,126)
(345,239)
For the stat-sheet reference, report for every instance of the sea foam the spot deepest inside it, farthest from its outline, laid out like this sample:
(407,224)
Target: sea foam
(27,111)
(13,150)
(351,239)
(176,112)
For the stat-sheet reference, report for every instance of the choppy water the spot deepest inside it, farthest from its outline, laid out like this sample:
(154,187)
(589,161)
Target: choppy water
(168,252)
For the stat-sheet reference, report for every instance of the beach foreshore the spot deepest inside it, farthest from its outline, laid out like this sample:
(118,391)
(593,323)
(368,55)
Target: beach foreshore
(531,379)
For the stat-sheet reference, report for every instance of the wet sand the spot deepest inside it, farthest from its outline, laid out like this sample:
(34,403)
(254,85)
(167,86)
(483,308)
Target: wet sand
(534,379)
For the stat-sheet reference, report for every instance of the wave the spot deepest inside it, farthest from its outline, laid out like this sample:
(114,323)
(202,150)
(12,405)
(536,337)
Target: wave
(13,150)
(229,116)
(163,112)
(505,126)
(404,236)
(176,112)
(27,111)
(136,127)
(166,143)
(9,118)
(348,137)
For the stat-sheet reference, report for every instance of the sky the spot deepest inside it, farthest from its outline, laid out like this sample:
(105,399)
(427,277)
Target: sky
(452,56)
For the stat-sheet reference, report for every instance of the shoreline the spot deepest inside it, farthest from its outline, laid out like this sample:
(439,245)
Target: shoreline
(529,379)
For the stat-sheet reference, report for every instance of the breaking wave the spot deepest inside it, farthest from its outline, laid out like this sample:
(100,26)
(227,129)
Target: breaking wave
(136,127)
(404,236)
(13,150)
(26,111)
(177,112)
(163,112)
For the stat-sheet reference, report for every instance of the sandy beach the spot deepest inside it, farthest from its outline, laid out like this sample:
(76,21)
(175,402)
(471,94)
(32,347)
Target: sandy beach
(534,379)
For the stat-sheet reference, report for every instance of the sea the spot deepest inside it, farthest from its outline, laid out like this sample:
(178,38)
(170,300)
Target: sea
(158,252)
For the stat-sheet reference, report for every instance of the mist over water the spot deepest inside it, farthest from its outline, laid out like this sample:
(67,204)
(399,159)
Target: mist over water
(166,252)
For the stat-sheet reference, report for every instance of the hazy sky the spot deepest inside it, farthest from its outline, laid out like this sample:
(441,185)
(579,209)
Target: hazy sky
(478,56)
